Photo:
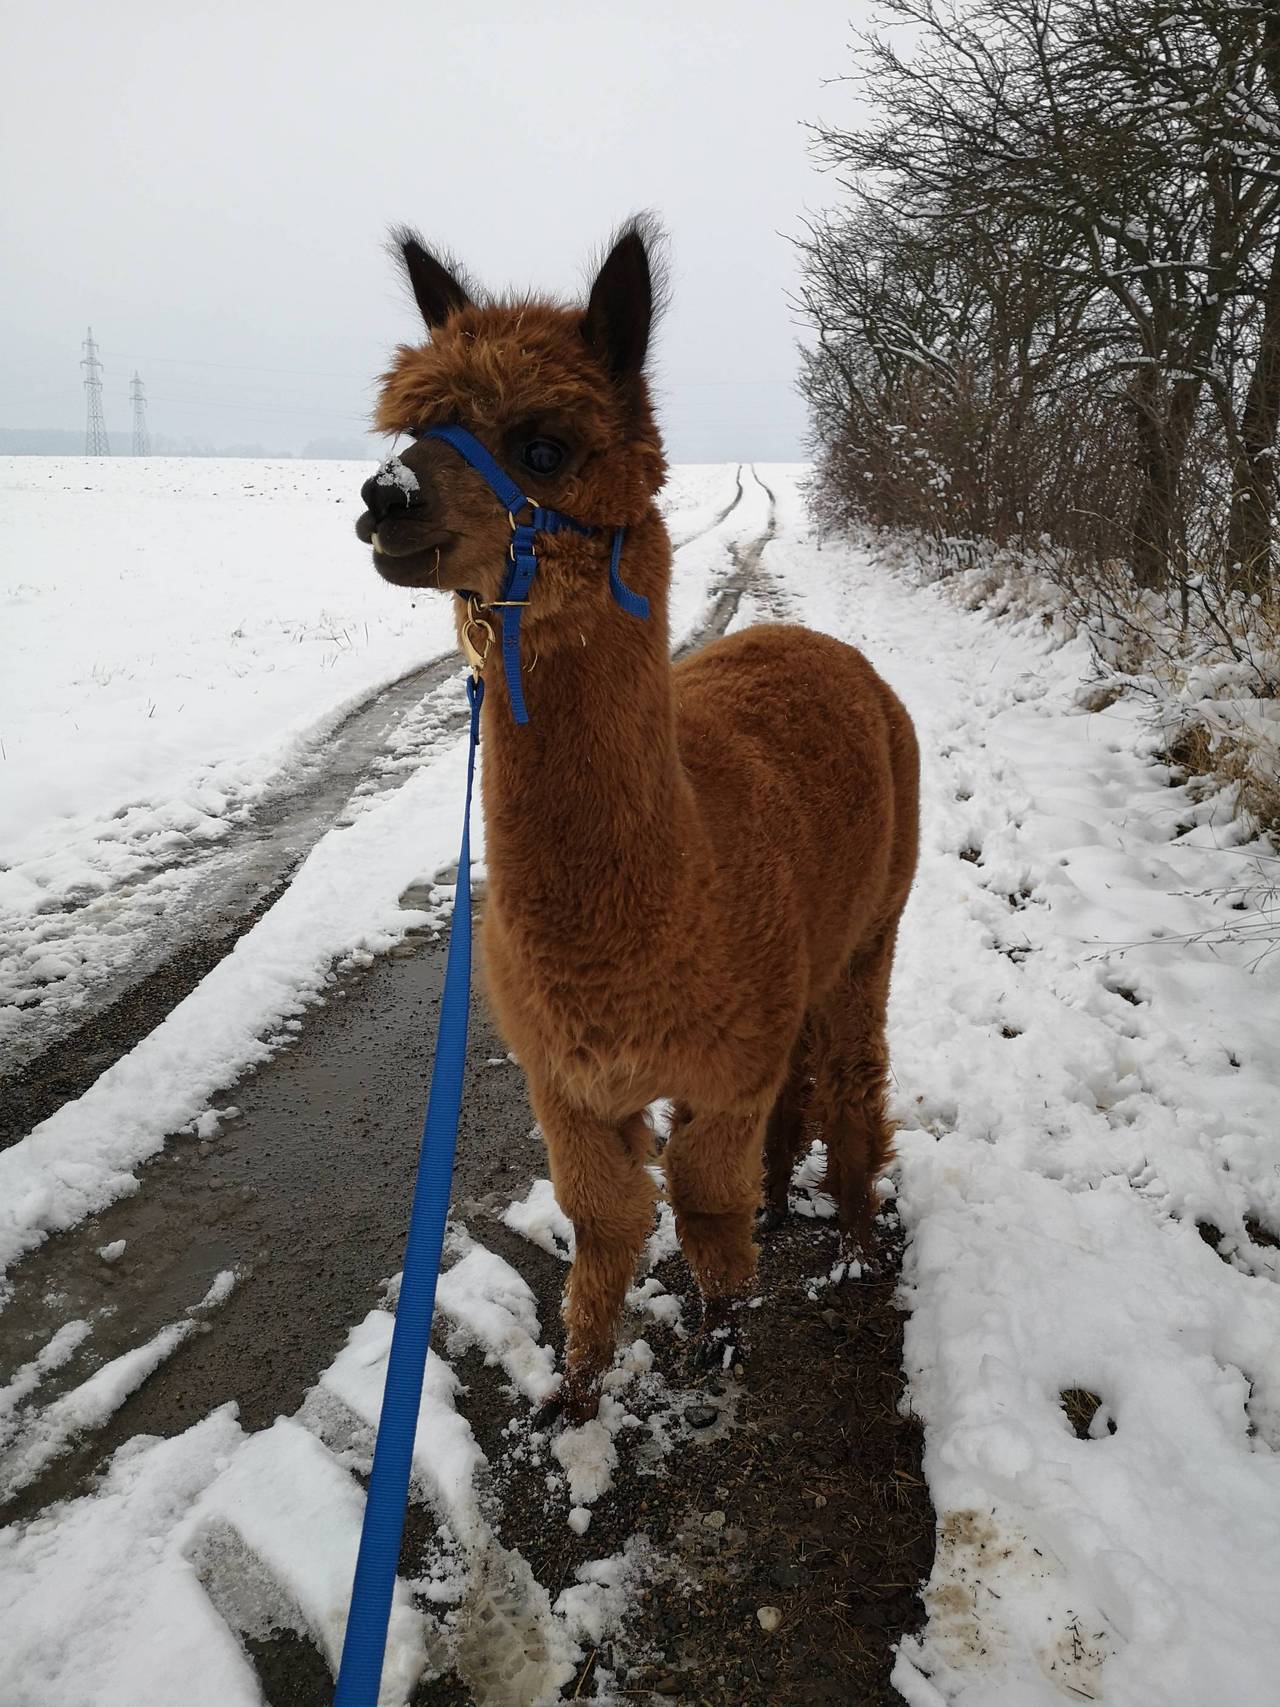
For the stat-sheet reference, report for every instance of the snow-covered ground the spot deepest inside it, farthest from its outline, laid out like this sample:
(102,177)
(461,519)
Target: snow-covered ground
(1086,1063)
(1086,1076)
(174,629)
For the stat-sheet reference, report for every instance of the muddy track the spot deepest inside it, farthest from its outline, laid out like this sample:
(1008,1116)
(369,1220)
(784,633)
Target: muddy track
(172,946)
(304,1195)
(169,944)
(748,577)
(730,507)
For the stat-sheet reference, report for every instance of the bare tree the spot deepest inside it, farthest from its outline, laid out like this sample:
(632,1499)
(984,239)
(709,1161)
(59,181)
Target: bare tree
(1104,177)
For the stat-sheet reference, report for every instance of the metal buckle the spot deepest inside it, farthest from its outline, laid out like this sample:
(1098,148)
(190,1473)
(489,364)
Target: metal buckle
(473,624)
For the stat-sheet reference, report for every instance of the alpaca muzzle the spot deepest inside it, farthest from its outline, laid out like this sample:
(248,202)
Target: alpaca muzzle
(402,525)
(395,488)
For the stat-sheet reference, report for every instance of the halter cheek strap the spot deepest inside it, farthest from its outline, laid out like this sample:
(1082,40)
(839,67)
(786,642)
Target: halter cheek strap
(523,553)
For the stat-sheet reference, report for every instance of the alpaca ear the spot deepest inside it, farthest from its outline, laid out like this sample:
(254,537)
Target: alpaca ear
(620,308)
(437,291)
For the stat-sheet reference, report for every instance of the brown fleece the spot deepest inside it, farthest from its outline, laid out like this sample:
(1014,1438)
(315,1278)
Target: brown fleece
(695,873)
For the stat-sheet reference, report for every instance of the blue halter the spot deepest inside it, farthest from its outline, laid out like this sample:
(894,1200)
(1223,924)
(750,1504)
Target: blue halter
(523,553)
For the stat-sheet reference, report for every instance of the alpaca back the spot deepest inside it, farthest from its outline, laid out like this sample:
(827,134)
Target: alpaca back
(805,770)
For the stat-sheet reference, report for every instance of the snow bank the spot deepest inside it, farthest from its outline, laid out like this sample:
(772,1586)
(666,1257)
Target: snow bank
(1086,1074)
(97,1601)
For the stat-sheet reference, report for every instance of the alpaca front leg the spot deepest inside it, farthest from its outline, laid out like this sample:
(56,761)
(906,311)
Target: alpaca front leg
(851,1067)
(784,1135)
(713,1165)
(601,1182)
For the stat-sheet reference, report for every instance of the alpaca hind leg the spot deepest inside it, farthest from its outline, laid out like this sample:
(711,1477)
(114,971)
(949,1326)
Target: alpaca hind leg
(784,1135)
(850,1065)
(713,1168)
(601,1182)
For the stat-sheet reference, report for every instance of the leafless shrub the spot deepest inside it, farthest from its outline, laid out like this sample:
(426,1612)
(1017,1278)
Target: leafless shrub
(1047,334)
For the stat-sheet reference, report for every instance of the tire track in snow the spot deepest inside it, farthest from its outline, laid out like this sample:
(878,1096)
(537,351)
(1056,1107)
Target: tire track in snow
(174,923)
(711,526)
(748,575)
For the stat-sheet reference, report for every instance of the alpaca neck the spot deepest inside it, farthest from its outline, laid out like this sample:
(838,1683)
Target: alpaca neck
(584,804)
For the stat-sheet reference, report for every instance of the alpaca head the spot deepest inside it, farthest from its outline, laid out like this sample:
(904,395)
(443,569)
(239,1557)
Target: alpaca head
(556,394)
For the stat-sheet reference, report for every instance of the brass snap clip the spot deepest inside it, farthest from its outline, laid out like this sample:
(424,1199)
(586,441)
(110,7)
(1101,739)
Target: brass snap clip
(477,637)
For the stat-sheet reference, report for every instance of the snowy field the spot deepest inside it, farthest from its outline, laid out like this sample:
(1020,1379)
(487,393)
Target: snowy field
(1086,1072)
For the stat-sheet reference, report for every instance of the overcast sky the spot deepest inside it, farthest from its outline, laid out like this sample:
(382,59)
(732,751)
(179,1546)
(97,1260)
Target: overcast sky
(210,188)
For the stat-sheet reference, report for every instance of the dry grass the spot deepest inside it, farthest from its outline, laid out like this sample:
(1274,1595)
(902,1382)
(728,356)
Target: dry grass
(1081,1407)
(1203,655)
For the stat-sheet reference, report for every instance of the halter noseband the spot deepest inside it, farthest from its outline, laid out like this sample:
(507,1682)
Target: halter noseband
(523,553)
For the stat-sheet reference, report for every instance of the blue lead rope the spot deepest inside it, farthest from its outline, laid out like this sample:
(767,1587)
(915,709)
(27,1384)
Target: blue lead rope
(365,1643)
(360,1674)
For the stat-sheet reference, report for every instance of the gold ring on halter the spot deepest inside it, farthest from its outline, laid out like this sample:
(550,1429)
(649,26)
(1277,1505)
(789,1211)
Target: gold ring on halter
(477,654)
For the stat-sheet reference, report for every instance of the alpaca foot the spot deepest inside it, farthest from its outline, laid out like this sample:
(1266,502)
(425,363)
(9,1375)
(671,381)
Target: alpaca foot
(720,1344)
(771,1219)
(576,1400)
(562,1411)
(860,1260)
(549,1412)
(580,1394)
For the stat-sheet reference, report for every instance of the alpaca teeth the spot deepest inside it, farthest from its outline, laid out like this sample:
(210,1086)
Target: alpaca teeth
(377,543)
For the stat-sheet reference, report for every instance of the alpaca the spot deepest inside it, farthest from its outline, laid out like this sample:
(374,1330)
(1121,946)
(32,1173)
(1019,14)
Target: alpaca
(695,873)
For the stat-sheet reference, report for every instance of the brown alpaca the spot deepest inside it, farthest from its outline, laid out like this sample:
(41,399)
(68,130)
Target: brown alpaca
(695,873)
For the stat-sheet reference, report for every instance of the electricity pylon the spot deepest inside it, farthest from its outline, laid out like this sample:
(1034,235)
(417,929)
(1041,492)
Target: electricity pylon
(141,437)
(96,442)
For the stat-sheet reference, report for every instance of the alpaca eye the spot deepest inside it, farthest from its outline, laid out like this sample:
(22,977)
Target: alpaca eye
(542,456)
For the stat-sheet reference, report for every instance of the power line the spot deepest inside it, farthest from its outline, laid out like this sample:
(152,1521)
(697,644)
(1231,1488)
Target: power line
(96,442)
(367,378)
(141,437)
(317,412)
(706,412)
(238,367)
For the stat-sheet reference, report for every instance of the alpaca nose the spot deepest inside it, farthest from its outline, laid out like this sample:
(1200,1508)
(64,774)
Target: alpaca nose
(394,487)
